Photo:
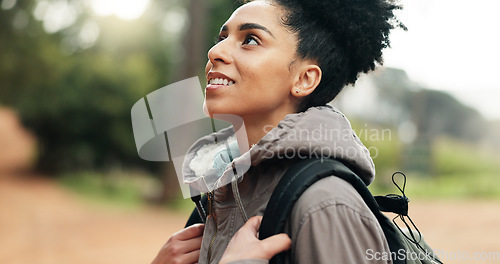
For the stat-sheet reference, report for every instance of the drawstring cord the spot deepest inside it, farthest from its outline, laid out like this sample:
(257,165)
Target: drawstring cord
(403,215)
(234,186)
(236,194)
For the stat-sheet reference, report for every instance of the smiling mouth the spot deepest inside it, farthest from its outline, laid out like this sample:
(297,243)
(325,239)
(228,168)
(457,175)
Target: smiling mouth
(221,81)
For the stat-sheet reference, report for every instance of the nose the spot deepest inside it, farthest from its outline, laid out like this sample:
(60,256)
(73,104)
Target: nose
(220,52)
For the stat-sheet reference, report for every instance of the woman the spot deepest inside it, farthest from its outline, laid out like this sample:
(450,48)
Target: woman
(275,66)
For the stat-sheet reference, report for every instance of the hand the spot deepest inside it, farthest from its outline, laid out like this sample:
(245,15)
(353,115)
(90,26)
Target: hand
(246,245)
(182,247)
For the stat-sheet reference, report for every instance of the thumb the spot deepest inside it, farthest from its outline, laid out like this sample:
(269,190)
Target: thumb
(276,244)
(253,224)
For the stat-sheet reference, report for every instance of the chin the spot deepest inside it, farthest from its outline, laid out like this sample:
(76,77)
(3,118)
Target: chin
(206,111)
(220,112)
(215,106)
(212,111)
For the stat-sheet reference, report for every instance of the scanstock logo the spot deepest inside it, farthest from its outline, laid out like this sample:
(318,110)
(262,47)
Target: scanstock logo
(168,121)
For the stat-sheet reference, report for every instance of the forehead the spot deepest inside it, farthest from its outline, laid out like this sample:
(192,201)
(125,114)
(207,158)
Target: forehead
(260,12)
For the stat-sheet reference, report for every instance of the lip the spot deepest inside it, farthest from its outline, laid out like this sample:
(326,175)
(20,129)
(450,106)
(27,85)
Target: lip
(213,75)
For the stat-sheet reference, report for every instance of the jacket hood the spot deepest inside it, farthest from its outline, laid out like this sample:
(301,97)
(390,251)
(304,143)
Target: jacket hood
(214,160)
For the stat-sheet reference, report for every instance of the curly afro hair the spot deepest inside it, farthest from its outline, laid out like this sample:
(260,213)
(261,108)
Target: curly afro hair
(344,37)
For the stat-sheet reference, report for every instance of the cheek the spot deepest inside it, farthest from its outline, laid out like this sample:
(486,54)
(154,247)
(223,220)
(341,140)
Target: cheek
(276,75)
(265,73)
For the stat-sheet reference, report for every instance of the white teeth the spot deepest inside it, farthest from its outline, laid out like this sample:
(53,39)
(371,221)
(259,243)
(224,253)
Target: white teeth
(221,81)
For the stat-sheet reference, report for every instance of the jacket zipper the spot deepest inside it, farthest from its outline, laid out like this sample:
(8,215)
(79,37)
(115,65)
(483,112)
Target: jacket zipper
(211,213)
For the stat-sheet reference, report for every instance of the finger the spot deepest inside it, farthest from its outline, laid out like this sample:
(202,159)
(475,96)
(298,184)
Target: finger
(190,257)
(276,244)
(190,232)
(191,244)
(252,225)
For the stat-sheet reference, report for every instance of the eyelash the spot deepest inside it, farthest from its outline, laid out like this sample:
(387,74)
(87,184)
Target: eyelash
(252,37)
(220,38)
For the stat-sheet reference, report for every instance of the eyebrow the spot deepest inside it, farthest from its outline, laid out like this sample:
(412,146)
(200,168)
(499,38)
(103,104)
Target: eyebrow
(247,26)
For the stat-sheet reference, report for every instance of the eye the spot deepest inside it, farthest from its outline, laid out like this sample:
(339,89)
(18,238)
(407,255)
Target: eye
(251,40)
(219,38)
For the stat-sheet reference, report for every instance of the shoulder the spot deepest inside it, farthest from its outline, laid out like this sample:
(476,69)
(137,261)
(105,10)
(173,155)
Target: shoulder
(330,223)
(330,195)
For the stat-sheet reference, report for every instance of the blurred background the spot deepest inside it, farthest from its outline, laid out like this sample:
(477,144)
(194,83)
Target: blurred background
(74,190)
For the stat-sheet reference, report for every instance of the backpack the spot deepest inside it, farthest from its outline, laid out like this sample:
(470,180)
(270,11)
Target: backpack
(405,247)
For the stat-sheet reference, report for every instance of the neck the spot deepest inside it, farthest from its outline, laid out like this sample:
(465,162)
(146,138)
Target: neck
(239,128)
(250,129)
(257,126)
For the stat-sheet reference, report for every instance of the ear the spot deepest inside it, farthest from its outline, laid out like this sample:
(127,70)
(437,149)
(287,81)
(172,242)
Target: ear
(308,78)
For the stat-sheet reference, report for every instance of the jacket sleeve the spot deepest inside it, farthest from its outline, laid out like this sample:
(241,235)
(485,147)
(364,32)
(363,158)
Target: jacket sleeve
(330,223)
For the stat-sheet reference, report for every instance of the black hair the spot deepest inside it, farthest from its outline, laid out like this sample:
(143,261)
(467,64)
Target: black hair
(345,38)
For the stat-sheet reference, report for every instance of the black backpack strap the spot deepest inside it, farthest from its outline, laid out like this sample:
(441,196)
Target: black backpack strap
(195,217)
(301,176)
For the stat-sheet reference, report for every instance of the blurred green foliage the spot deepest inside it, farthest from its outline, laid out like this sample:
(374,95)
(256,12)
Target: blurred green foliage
(450,150)
(458,170)
(458,157)
(382,142)
(124,188)
(76,96)
(118,188)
